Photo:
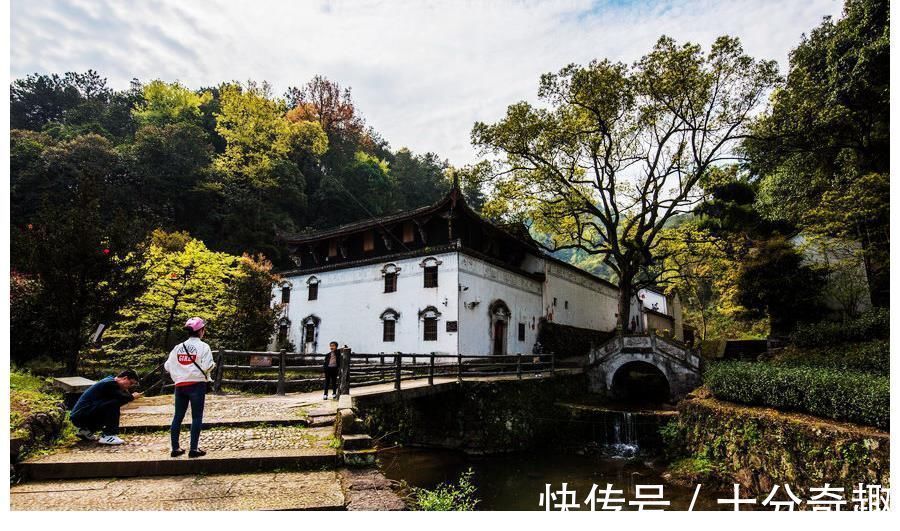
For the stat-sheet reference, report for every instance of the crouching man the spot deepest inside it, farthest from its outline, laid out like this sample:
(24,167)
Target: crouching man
(98,407)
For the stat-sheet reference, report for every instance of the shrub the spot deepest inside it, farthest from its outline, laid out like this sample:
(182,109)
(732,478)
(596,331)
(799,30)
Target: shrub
(448,497)
(838,394)
(874,324)
(36,413)
(870,357)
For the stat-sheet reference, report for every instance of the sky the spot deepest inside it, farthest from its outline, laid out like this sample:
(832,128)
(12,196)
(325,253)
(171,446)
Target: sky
(421,73)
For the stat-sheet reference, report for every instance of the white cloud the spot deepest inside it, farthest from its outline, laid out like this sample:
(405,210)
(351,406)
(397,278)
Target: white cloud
(421,72)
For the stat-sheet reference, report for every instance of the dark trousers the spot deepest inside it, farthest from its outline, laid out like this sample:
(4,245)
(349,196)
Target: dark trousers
(102,416)
(195,395)
(331,376)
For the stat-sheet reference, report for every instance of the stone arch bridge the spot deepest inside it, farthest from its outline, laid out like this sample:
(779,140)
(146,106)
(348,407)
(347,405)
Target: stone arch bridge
(644,365)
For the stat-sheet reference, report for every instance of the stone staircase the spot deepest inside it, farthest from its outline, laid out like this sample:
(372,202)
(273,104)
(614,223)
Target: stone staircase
(358,447)
(252,445)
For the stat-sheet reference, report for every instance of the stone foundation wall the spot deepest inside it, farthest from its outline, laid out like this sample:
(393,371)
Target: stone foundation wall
(477,417)
(760,447)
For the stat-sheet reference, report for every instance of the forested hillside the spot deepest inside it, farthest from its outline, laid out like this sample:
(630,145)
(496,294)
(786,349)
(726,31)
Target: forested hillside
(95,171)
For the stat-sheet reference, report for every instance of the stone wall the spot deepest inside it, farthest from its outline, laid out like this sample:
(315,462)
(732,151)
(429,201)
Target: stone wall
(476,417)
(761,447)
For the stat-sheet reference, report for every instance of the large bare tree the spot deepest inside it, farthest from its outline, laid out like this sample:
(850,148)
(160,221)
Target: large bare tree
(619,150)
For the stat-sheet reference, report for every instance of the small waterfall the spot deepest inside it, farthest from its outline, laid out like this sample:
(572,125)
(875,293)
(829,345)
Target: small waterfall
(622,441)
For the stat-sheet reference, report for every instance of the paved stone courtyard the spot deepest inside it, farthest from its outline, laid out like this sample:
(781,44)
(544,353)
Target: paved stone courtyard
(156,411)
(226,492)
(291,436)
(219,442)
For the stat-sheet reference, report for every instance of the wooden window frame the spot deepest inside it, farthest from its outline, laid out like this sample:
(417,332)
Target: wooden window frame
(313,291)
(430,277)
(430,329)
(389,331)
(390,282)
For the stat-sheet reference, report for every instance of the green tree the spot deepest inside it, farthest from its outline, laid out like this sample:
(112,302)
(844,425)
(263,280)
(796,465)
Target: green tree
(261,187)
(621,149)
(77,240)
(828,128)
(420,179)
(167,103)
(168,162)
(250,318)
(71,105)
(184,279)
(774,281)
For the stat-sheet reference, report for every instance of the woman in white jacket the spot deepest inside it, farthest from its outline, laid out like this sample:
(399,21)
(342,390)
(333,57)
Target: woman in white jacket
(190,364)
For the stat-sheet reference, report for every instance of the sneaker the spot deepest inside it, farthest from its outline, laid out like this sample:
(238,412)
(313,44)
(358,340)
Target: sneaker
(111,440)
(196,453)
(324,397)
(177,453)
(334,397)
(86,435)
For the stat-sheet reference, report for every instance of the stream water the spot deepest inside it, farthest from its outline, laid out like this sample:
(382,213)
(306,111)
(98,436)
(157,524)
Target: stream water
(516,481)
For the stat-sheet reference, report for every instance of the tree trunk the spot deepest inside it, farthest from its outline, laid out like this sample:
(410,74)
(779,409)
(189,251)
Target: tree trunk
(625,289)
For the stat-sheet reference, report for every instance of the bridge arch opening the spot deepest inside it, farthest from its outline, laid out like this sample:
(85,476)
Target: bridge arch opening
(640,382)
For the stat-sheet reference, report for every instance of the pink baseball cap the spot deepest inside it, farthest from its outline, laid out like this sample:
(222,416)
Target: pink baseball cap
(195,323)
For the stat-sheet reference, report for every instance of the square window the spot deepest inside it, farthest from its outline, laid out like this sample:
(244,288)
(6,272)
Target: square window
(408,235)
(430,329)
(521,331)
(285,294)
(431,277)
(390,327)
(313,292)
(390,282)
(452,326)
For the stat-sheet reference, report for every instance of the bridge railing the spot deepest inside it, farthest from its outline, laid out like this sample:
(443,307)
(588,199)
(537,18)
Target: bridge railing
(359,369)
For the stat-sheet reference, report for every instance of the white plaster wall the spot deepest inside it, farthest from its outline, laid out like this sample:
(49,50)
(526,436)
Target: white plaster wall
(592,304)
(484,283)
(351,300)
(650,298)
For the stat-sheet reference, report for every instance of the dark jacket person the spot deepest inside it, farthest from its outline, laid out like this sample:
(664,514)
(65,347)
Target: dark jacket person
(331,366)
(98,408)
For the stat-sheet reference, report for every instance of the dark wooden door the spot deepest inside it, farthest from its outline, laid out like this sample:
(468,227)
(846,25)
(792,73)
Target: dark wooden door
(499,336)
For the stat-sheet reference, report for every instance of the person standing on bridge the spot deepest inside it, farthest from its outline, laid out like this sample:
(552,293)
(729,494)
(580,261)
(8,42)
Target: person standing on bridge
(190,364)
(331,367)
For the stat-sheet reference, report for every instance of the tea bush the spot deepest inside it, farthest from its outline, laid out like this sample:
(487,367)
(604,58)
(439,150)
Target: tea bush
(837,394)
(874,324)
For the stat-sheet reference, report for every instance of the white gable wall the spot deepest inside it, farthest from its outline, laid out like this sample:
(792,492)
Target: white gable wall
(592,304)
(483,283)
(351,300)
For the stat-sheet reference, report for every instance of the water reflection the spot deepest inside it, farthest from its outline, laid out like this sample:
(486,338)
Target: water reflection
(516,481)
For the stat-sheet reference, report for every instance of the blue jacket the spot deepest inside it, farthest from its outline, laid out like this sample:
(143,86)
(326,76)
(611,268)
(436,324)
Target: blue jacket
(103,391)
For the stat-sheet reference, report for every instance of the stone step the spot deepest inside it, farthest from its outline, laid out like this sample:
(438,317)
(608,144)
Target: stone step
(214,463)
(260,491)
(321,421)
(356,442)
(360,458)
(232,450)
(157,425)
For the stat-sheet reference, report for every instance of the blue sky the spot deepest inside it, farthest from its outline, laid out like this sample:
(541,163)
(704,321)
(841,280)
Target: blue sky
(421,72)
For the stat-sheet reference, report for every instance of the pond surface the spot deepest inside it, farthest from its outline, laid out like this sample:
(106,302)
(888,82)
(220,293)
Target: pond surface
(516,481)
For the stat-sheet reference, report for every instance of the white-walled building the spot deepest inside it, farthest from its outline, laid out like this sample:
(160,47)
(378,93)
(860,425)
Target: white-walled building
(435,279)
